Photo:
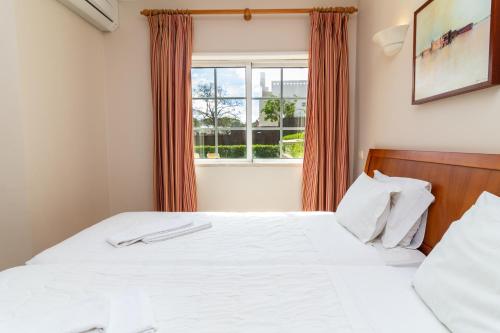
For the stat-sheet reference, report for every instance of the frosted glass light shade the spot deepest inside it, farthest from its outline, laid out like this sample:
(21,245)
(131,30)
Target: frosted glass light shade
(391,39)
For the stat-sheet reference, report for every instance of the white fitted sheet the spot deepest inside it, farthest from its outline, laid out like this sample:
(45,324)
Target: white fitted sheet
(235,239)
(385,299)
(277,299)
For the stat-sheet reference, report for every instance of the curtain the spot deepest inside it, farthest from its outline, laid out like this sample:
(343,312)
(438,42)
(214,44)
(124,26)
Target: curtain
(174,175)
(326,147)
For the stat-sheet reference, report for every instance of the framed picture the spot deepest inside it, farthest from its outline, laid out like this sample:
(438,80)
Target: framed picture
(456,48)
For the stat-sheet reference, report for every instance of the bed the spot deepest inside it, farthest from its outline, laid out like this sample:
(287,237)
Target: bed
(296,238)
(301,272)
(233,299)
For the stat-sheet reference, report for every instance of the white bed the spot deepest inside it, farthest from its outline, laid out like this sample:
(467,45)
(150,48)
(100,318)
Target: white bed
(232,298)
(235,239)
(257,272)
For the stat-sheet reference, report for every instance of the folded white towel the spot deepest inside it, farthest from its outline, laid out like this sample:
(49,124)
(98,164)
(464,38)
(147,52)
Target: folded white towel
(144,229)
(131,312)
(89,315)
(197,226)
(124,312)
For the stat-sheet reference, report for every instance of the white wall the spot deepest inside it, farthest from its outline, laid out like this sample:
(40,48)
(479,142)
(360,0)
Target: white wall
(466,123)
(130,114)
(53,180)
(249,188)
(15,232)
(63,102)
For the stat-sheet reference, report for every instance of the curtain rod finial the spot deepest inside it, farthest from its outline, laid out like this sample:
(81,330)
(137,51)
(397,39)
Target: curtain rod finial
(247,14)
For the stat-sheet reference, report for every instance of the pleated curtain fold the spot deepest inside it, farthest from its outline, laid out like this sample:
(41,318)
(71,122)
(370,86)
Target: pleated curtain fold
(326,153)
(174,173)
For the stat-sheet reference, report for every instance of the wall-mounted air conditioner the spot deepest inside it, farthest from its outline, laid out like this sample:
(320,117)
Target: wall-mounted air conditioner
(103,14)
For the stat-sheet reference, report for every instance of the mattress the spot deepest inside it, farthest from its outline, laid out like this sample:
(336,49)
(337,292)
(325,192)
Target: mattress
(235,239)
(275,299)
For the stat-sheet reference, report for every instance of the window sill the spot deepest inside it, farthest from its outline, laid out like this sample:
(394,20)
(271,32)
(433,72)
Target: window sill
(244,163)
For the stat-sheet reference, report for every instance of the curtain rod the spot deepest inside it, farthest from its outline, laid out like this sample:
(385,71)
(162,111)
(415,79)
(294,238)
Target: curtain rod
(247,12)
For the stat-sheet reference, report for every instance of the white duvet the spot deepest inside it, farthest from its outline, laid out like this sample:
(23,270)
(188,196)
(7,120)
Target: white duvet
(219,299)
(235,239)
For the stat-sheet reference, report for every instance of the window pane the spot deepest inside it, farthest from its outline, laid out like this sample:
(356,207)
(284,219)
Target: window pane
(231,82)
(266,144)
(232,143)
(293,144)
(294,113)
(295,82)
(220,112)
(266,82)
(203,113)
(202,82)
(266,112)
(204,143)
(231,113)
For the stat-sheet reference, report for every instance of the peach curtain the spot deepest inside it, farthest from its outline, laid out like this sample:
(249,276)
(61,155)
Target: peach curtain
(326,151)
(171,49)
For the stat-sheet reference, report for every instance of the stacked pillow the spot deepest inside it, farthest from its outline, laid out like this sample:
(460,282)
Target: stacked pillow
(365,207)
(408,217)
(393,207)
(460,279)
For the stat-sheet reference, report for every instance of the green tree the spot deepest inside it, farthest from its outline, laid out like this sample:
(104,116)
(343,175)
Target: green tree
(271,109)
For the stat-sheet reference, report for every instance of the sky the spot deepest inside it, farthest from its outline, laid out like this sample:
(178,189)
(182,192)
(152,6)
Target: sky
(232,80)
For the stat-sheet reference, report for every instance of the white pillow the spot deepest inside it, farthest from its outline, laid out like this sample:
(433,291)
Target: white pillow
(460,279)
(490,203)
(365,207)
(408,215)
(418,232)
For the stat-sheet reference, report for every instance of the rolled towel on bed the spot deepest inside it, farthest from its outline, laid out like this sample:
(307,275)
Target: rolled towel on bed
(145,229)
(131,312)
(89,315)
(194,227)
(124,312)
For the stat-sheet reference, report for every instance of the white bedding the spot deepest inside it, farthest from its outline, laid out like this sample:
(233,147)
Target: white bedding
(275,299)
(235,239)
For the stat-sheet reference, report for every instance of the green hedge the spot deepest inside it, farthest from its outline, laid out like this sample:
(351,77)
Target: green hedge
(294,136)
(232,151)
(239,151)
(266,151)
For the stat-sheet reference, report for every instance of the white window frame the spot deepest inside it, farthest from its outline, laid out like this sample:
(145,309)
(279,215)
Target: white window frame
(249,61)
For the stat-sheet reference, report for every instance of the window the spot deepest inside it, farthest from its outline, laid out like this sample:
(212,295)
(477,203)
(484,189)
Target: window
(249,112)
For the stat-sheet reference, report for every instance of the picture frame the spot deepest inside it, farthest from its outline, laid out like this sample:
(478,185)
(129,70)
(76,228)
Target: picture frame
(456,48)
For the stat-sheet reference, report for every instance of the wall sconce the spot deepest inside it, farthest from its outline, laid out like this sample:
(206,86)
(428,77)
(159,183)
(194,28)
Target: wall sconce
(391,39)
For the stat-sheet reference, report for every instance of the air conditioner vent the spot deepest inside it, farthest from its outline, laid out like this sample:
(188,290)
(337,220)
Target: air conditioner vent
(103,14)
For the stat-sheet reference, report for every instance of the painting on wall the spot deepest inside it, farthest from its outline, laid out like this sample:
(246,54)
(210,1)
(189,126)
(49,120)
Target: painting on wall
(456,48)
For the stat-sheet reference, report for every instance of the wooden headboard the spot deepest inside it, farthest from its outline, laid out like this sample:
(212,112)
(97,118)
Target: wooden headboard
(457,180)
